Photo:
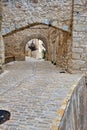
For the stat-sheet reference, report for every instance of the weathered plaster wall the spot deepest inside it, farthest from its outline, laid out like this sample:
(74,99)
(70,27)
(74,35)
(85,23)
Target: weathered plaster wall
(73,112)
(21,14)
(79,37)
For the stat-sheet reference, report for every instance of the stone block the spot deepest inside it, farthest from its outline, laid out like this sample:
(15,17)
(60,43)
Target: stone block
(77,64)
(77,50)
(76,44)
(76,56)
(80,27)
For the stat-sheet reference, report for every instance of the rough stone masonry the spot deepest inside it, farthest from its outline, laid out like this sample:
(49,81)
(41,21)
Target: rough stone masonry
(1,41)
(67,16)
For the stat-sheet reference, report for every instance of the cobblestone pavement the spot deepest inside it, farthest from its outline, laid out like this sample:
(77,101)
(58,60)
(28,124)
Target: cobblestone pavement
(33,91)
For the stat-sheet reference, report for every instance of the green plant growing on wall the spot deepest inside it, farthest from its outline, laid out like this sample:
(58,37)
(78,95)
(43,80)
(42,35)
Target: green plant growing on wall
(43,54)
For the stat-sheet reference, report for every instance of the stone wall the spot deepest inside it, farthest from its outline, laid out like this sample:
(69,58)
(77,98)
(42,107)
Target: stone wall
(75,114)
(2,51)
(1,41)
(21,14)
(68,16)
(79,37)
(0,14)
(0,29)
(59,47)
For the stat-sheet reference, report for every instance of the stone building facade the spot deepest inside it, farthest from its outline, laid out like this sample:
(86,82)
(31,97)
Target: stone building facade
(61,25)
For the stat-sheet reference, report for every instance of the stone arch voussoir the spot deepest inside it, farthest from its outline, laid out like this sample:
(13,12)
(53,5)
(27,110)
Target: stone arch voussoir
(34,36)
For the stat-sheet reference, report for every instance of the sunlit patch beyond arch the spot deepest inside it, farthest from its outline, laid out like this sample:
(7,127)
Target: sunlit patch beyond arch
(35,48)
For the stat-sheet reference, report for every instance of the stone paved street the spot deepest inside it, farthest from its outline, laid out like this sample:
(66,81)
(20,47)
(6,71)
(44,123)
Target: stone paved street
(33,91)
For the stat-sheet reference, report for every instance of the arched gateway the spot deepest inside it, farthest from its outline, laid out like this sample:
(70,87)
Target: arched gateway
(27,39)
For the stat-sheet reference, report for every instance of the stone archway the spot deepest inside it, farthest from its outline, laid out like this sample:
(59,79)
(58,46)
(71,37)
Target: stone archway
(28,38)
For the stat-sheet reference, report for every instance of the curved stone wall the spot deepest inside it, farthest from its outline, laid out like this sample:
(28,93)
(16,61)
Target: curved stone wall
(72,114)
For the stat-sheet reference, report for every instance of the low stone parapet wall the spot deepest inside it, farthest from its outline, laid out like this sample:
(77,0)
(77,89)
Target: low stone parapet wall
(72,114)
